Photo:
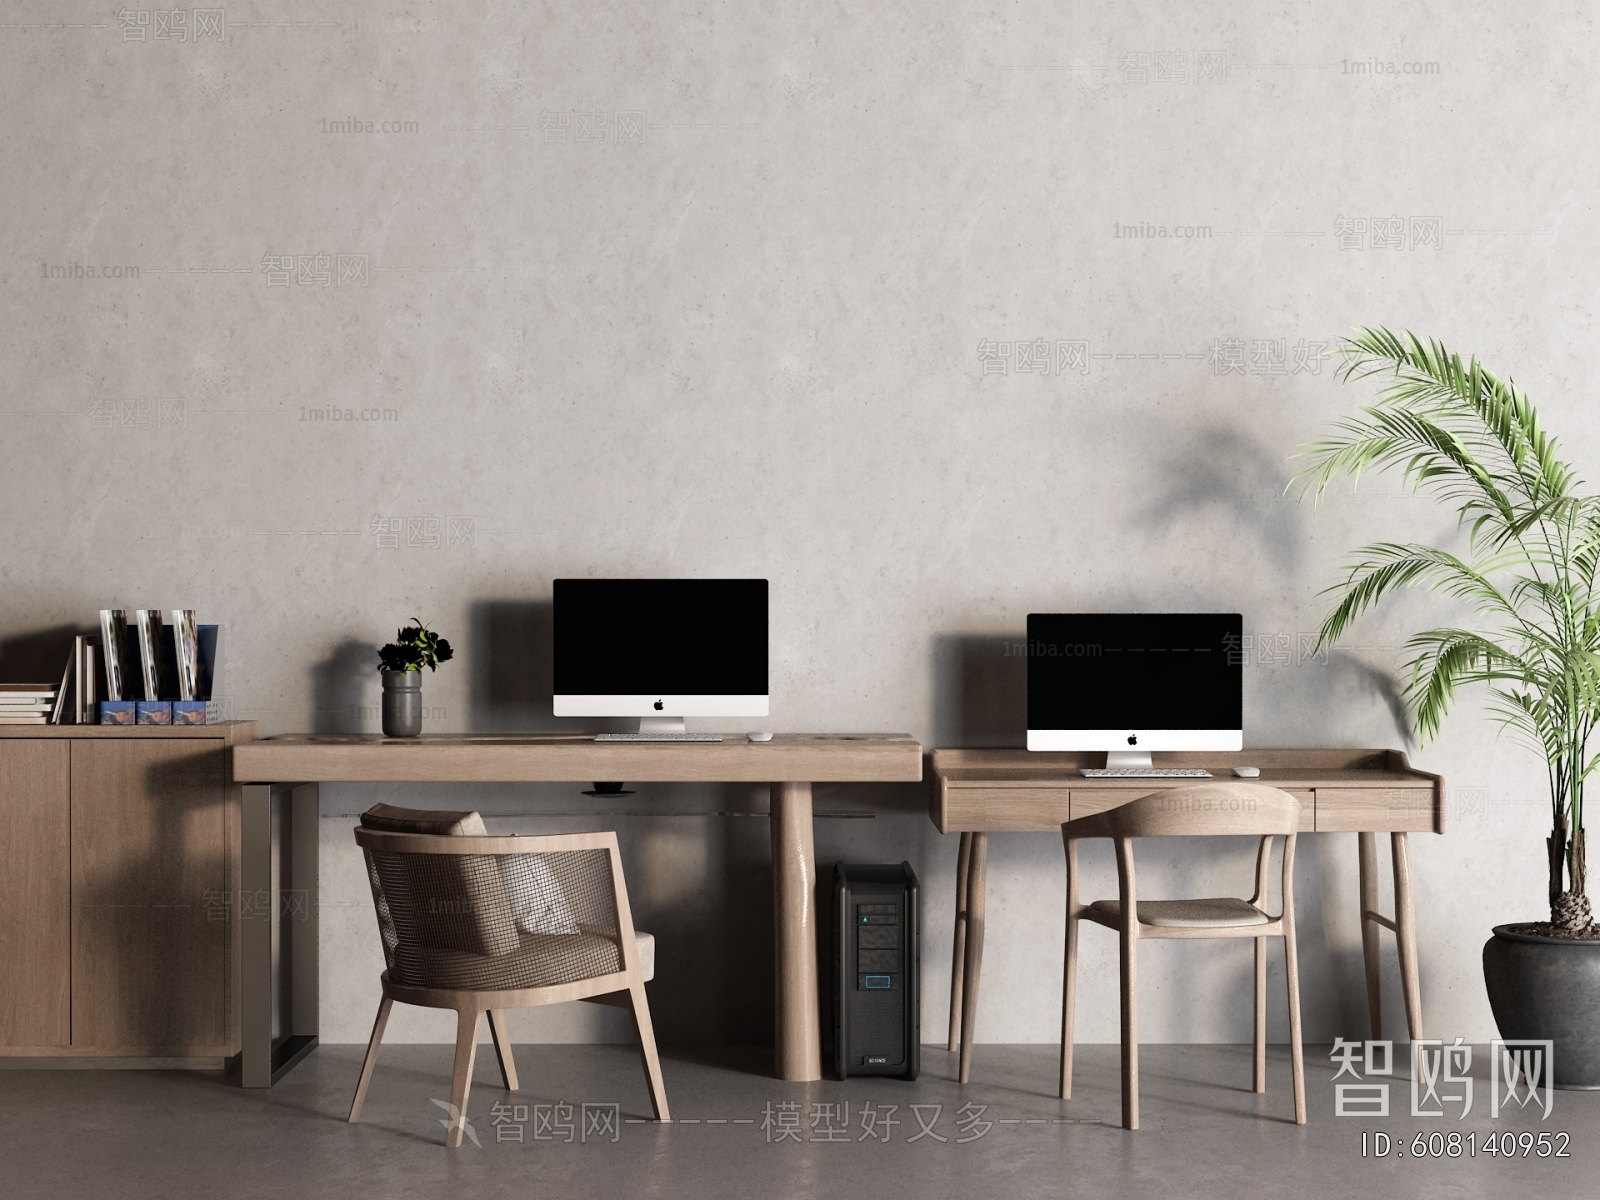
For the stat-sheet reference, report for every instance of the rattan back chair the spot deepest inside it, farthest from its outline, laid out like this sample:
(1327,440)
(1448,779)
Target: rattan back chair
(1197,810)
(482,924)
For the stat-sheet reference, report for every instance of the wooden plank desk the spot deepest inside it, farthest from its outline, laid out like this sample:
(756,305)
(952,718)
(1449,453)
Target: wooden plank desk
(271,769)
(1365,792)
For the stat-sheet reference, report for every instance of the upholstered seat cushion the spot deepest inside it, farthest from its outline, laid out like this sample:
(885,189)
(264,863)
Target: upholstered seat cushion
(541,960)
(1224,912)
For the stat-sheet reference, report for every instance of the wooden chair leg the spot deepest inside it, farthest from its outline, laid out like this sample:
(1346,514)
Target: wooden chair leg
(1069,1004)
(1130,984)
(500,1031)
(958,957)
(1405,921)
(461,1081)
(1130,1030)
(647,1051)
(371,1060)
(1370,943)
(1259,1071)
(1291,968)
(1069,972)
(977,884)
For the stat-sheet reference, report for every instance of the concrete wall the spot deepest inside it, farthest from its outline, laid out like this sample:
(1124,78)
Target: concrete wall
(607,289)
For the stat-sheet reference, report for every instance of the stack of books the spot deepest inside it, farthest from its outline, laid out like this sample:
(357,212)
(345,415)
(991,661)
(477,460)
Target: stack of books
(26,703)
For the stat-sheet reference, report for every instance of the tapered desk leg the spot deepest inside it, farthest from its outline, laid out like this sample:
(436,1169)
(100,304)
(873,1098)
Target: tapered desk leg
(1369,931)
(1405,920)
(794,879)
(958,964)
(977,885)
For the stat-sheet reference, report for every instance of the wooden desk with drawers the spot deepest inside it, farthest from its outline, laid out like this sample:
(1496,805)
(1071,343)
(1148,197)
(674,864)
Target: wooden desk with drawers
(1365,792)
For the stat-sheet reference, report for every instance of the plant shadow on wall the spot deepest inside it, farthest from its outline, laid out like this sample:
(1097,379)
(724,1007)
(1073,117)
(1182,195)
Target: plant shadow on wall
(1352,677)
(1531,574)
(345,700)
(1219,466)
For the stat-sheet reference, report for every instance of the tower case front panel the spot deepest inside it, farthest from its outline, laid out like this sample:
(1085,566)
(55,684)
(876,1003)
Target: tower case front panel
(877,963)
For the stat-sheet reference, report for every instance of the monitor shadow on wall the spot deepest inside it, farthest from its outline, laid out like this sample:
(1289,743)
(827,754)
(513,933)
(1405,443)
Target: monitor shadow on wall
(512,679)
(980,690)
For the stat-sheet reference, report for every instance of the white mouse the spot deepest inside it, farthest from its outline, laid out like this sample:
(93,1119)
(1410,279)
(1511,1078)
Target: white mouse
(759,737)
(1247,772)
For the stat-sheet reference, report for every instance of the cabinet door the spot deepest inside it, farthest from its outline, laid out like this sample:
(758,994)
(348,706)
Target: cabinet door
(35,893)
(150,896)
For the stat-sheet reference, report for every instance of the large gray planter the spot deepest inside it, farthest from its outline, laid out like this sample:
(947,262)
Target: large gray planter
(402,703)
(1548,988)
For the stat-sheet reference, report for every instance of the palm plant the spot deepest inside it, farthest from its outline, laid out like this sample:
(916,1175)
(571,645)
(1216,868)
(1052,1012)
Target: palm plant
(1470,439)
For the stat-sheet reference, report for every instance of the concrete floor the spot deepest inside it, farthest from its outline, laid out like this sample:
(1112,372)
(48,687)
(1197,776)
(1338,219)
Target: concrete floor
(142,1133)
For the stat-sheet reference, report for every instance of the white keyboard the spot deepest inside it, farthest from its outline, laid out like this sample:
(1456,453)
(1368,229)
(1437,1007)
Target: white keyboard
(1145,773)
(658,737)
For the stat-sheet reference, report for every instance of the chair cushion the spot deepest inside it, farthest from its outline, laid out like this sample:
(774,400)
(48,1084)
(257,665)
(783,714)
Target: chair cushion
(540,960)
(537,901)
(646,943)
(1223,912)
(393,819)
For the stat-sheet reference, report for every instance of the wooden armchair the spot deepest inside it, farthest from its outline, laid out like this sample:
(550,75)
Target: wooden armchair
(482,924)
(1198,810)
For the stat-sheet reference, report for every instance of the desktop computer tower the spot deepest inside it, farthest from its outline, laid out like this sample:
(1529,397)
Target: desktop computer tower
(877,959)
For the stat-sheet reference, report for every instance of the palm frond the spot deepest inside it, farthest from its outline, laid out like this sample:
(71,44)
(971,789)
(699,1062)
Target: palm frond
(1473,440)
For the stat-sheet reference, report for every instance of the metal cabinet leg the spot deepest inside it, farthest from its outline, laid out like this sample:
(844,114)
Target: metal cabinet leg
(255,935)
(278,903)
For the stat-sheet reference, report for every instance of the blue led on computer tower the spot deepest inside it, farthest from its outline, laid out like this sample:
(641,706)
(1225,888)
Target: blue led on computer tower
(877,959)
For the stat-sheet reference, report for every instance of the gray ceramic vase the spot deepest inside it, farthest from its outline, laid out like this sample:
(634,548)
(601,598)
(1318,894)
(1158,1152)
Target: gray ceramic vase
(1545,988)
(402,703)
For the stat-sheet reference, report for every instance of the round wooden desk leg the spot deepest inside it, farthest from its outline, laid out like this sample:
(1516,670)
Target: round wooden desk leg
(977,884)
(1405,920)
(958,965)
(1369,931)
(794,882)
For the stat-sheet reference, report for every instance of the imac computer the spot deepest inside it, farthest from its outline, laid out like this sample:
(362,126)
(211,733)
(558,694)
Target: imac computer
(1130,683)
(660,650)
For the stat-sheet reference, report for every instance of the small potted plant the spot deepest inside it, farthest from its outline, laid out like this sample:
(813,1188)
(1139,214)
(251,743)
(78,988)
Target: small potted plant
(1531,574)
(401,661)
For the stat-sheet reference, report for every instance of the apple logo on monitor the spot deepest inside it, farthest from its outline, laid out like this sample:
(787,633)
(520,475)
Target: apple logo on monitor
(1133,739)
(659,706)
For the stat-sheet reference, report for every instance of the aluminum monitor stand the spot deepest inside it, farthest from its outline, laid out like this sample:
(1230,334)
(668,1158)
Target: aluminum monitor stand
(663,726)
(1138,760)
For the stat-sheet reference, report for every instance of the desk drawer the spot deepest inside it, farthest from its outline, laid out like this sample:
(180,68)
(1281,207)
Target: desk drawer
(1093,800)
(1352,810)
(1023,808)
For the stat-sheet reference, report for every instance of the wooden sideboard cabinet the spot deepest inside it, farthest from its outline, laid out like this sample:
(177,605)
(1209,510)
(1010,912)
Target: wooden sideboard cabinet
(119,891)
